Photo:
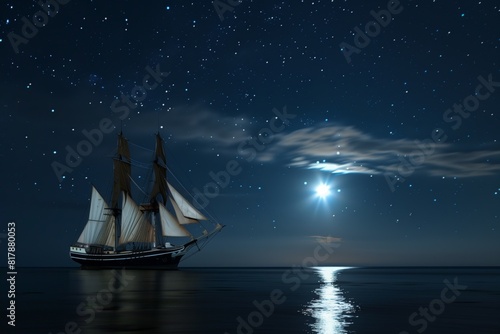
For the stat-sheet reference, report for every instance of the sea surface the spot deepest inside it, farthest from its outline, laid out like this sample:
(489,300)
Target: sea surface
(324,300)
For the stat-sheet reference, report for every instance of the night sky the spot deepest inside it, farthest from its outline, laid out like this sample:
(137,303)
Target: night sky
(400,125)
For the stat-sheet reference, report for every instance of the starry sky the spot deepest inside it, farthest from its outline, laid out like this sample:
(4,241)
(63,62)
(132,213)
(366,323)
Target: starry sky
(397,117)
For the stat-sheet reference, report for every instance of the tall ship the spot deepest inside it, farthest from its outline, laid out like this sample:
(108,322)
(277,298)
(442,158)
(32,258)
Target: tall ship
(155,234)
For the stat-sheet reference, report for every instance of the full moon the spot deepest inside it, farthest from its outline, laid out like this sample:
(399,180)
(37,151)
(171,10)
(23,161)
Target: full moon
(322,190)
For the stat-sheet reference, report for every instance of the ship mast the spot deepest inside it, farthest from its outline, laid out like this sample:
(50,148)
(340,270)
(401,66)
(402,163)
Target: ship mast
(160,173)
(160,183)
(121,180)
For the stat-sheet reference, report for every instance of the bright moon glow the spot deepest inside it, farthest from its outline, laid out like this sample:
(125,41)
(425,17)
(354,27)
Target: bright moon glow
(322,190)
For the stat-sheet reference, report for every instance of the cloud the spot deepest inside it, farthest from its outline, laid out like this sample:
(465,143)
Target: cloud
(198,122)
(194,123)
(332,241)
(335,148)
(346,149)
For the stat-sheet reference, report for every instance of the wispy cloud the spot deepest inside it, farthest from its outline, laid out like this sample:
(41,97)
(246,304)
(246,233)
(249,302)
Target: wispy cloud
(336,148)
(326,239)
(346,149)
(195,123)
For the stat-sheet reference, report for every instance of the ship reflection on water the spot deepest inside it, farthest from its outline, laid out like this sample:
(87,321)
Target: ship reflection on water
(331,310)
(141,301)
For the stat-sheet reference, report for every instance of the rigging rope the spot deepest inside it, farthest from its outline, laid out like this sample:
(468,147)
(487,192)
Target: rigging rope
(130,177)
(200,247)
(144,148)
(140,164)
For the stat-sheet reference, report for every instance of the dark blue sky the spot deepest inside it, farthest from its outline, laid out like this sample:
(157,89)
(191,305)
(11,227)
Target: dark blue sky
(401,124)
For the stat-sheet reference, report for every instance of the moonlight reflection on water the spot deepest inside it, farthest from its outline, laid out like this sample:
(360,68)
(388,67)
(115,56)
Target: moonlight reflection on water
(331,309)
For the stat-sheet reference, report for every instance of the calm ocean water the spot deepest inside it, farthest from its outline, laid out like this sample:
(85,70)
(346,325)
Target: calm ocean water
(324,300)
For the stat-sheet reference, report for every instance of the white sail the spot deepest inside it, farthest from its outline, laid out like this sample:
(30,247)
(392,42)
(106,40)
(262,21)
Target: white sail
(186,208)
(134,224)
(98,220)
(170,225)
(108,235)
(180,216)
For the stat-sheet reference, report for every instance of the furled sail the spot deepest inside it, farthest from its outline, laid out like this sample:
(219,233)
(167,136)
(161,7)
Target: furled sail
(98,221)
(135,226)
(122,170)
(188,210)
(160,172)
(170,225)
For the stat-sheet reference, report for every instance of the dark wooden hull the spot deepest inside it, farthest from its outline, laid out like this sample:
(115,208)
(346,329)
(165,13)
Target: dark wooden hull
(158,258)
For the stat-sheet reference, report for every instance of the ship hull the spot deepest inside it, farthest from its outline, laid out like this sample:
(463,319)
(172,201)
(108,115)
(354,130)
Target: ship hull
(159,258)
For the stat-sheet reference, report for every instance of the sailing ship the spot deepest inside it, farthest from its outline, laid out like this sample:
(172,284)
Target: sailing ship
(127,234)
